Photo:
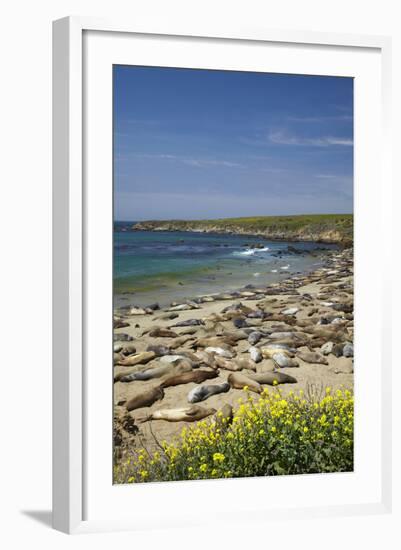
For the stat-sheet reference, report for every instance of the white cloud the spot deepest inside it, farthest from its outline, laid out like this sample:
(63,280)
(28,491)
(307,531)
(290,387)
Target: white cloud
(190,161)
(283,138)
(319,118)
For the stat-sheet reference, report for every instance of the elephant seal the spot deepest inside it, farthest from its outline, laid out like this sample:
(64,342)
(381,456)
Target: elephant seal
(256,354)
(270,349)
(214,341)
(117,357)
(128,350)
(181,340)
(282,360)
(145,399)
(239,381)
(224,416)
(226,351)
(189,323)
(120,323)
(271,377)
(201,393)
(254,337)
(157,372)
(159,350)
(197,376)
(226,364)
(137,359)
(162,333)
(312,357)
(122,337)
(245,363)
(189,414)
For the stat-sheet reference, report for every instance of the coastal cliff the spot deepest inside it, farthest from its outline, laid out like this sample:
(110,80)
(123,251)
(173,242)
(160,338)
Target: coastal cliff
(324,228)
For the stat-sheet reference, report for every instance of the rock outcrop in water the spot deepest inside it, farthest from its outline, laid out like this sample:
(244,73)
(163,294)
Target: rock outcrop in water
(324,228)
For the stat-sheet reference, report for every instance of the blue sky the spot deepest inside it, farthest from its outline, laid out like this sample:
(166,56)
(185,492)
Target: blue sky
(193,144)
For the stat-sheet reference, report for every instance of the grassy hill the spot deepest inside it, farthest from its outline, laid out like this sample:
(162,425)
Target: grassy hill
(329,228)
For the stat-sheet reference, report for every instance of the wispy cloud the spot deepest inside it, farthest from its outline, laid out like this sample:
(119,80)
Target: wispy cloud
(318,119)
(281,137)
(191,161)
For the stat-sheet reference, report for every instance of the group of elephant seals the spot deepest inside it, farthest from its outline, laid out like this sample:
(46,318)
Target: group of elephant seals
(197,376)
(145,399)
(189,414)
(200,393)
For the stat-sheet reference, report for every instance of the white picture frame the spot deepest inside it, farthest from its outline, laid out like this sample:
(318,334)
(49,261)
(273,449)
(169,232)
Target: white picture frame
(70,261)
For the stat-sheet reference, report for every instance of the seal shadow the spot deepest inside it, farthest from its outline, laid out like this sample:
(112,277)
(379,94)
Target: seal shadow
(41,516)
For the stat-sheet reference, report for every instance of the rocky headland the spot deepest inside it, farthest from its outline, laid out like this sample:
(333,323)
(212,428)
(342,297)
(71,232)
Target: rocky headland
(324,228)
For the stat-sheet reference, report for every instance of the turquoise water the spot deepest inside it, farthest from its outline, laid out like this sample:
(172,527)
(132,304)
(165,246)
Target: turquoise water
(166,266)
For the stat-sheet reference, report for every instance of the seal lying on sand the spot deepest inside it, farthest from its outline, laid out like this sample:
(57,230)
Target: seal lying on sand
(201,393)
(145,399)
(157,372)
(189,414)
(137,359)
(226,364)
(239,381)
(273,377)
(312,357)
(270,349)
(226,351)
(197,376)
(282,360)
(162,333)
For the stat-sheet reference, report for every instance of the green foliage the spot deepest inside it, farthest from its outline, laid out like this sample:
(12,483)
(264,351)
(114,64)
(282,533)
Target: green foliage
(290,227)
(269,435)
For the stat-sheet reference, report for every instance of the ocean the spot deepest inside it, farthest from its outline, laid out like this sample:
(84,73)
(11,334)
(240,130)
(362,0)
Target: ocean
(171,266)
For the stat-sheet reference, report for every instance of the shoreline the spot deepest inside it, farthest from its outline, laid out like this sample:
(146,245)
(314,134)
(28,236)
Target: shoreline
(229,271)
(318,297)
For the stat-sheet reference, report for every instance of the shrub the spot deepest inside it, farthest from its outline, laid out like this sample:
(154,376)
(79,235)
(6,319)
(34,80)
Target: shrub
(269,435)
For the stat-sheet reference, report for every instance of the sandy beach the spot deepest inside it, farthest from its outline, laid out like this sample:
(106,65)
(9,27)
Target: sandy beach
(310,313)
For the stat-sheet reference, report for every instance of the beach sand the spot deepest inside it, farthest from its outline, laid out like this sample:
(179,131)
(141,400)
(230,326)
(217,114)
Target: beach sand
(314,294)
